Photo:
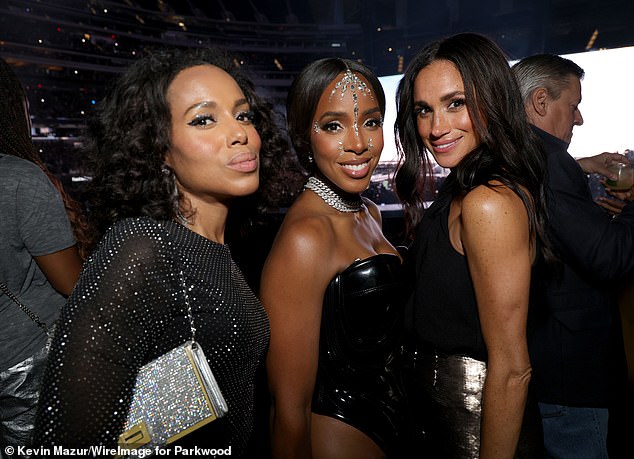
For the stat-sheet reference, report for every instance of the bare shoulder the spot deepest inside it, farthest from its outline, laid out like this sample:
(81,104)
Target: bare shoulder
(495,203)
(303,229)
(303,241)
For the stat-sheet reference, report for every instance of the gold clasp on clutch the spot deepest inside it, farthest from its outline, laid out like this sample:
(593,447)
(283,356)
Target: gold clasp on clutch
(135,437)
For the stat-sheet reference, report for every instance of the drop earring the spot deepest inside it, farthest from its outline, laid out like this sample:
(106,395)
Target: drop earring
(175,196)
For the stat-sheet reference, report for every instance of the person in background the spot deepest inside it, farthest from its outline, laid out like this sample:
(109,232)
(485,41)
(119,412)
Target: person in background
(577,349)
(178,147)
(17,141)
(331,282)
(474,248)
(39,263)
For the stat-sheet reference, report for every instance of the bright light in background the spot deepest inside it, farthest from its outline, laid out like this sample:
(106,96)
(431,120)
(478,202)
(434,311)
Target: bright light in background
(607,92)
(389,83)
(607,99)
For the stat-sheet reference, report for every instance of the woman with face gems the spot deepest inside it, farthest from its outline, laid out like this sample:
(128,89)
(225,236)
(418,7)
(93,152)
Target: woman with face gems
(178,145)
(331,282)
(474,248)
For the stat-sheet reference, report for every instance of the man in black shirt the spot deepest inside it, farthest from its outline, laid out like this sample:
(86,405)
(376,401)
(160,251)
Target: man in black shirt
(577,352)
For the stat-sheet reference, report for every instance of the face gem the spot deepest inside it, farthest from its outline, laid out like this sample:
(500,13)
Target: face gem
(352,81)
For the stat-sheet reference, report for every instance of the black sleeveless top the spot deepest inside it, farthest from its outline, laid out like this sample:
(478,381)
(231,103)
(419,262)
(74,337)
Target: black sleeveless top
(358,377)
(444,305)
(446,323)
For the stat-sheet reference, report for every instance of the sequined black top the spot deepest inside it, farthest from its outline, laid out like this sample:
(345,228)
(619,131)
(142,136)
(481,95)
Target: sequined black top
(127,309)
(359,378)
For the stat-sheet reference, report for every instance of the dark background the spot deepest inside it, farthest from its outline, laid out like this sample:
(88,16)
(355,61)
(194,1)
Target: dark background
(66,51)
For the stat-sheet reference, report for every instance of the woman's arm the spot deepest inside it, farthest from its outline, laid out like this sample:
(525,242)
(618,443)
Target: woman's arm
(42,223)
(61,269)
(102,337)
(294,279)
(499,252)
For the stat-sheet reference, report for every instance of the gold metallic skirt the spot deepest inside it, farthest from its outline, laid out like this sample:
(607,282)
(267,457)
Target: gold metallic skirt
(450,405)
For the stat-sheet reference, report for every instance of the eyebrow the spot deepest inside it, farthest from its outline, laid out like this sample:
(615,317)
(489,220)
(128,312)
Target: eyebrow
(338,114)
(212,104)
(444,98)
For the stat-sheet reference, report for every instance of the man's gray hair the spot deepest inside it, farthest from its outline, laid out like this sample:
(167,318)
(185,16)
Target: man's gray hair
(547,71)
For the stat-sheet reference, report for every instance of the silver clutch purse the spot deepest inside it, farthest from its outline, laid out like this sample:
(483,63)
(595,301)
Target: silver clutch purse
(174,394)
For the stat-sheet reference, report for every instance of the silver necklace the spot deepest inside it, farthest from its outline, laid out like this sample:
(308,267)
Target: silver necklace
(331,198)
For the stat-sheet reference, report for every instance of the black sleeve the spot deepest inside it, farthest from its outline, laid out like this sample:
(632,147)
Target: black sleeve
(584,233)
(106,332)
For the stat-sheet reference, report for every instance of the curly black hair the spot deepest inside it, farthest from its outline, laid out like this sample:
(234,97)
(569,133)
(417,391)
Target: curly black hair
(130,135)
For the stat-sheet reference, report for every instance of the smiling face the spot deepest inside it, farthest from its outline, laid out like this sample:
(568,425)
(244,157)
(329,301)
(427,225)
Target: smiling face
(442,117)
(214,149)
(347,135)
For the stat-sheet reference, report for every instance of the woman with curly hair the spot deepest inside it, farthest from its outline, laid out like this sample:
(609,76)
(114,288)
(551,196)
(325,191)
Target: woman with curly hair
(474,248)
(39,261)
(178,147)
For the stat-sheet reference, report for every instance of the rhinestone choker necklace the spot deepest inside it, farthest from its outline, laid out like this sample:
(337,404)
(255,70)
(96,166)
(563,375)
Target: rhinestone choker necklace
(331,198)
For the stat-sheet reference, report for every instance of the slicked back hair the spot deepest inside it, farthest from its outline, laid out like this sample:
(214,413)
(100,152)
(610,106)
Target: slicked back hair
(547,71)
(307,89)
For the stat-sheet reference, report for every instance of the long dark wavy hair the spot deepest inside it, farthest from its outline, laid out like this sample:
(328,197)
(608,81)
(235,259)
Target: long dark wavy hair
(130,136)
(15,139)
(509,152)
(307,89)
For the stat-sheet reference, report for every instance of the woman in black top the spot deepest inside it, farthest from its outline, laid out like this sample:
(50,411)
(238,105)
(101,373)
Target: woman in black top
(180,143)
(474,248)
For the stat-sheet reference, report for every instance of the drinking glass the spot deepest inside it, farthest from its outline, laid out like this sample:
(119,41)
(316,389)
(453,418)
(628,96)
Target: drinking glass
(624,177)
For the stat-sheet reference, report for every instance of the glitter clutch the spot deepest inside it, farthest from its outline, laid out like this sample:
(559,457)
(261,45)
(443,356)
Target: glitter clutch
(174,394)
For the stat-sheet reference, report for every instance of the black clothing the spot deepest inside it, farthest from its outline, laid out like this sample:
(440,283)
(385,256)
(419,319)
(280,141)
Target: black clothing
(358,377)
(127,309)
(576,350)
(451,367)
(444,306)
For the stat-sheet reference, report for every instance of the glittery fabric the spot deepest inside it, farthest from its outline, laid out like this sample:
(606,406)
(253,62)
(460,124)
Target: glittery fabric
(453,388)
(451,366)
(173,395)
(358,378)
(19,386)
(129,308)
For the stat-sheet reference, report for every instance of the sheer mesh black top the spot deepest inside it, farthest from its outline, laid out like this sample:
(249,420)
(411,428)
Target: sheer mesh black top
(129,308)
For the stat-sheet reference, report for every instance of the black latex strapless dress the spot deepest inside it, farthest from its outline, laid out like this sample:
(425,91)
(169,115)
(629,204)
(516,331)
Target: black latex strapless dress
(358,379)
